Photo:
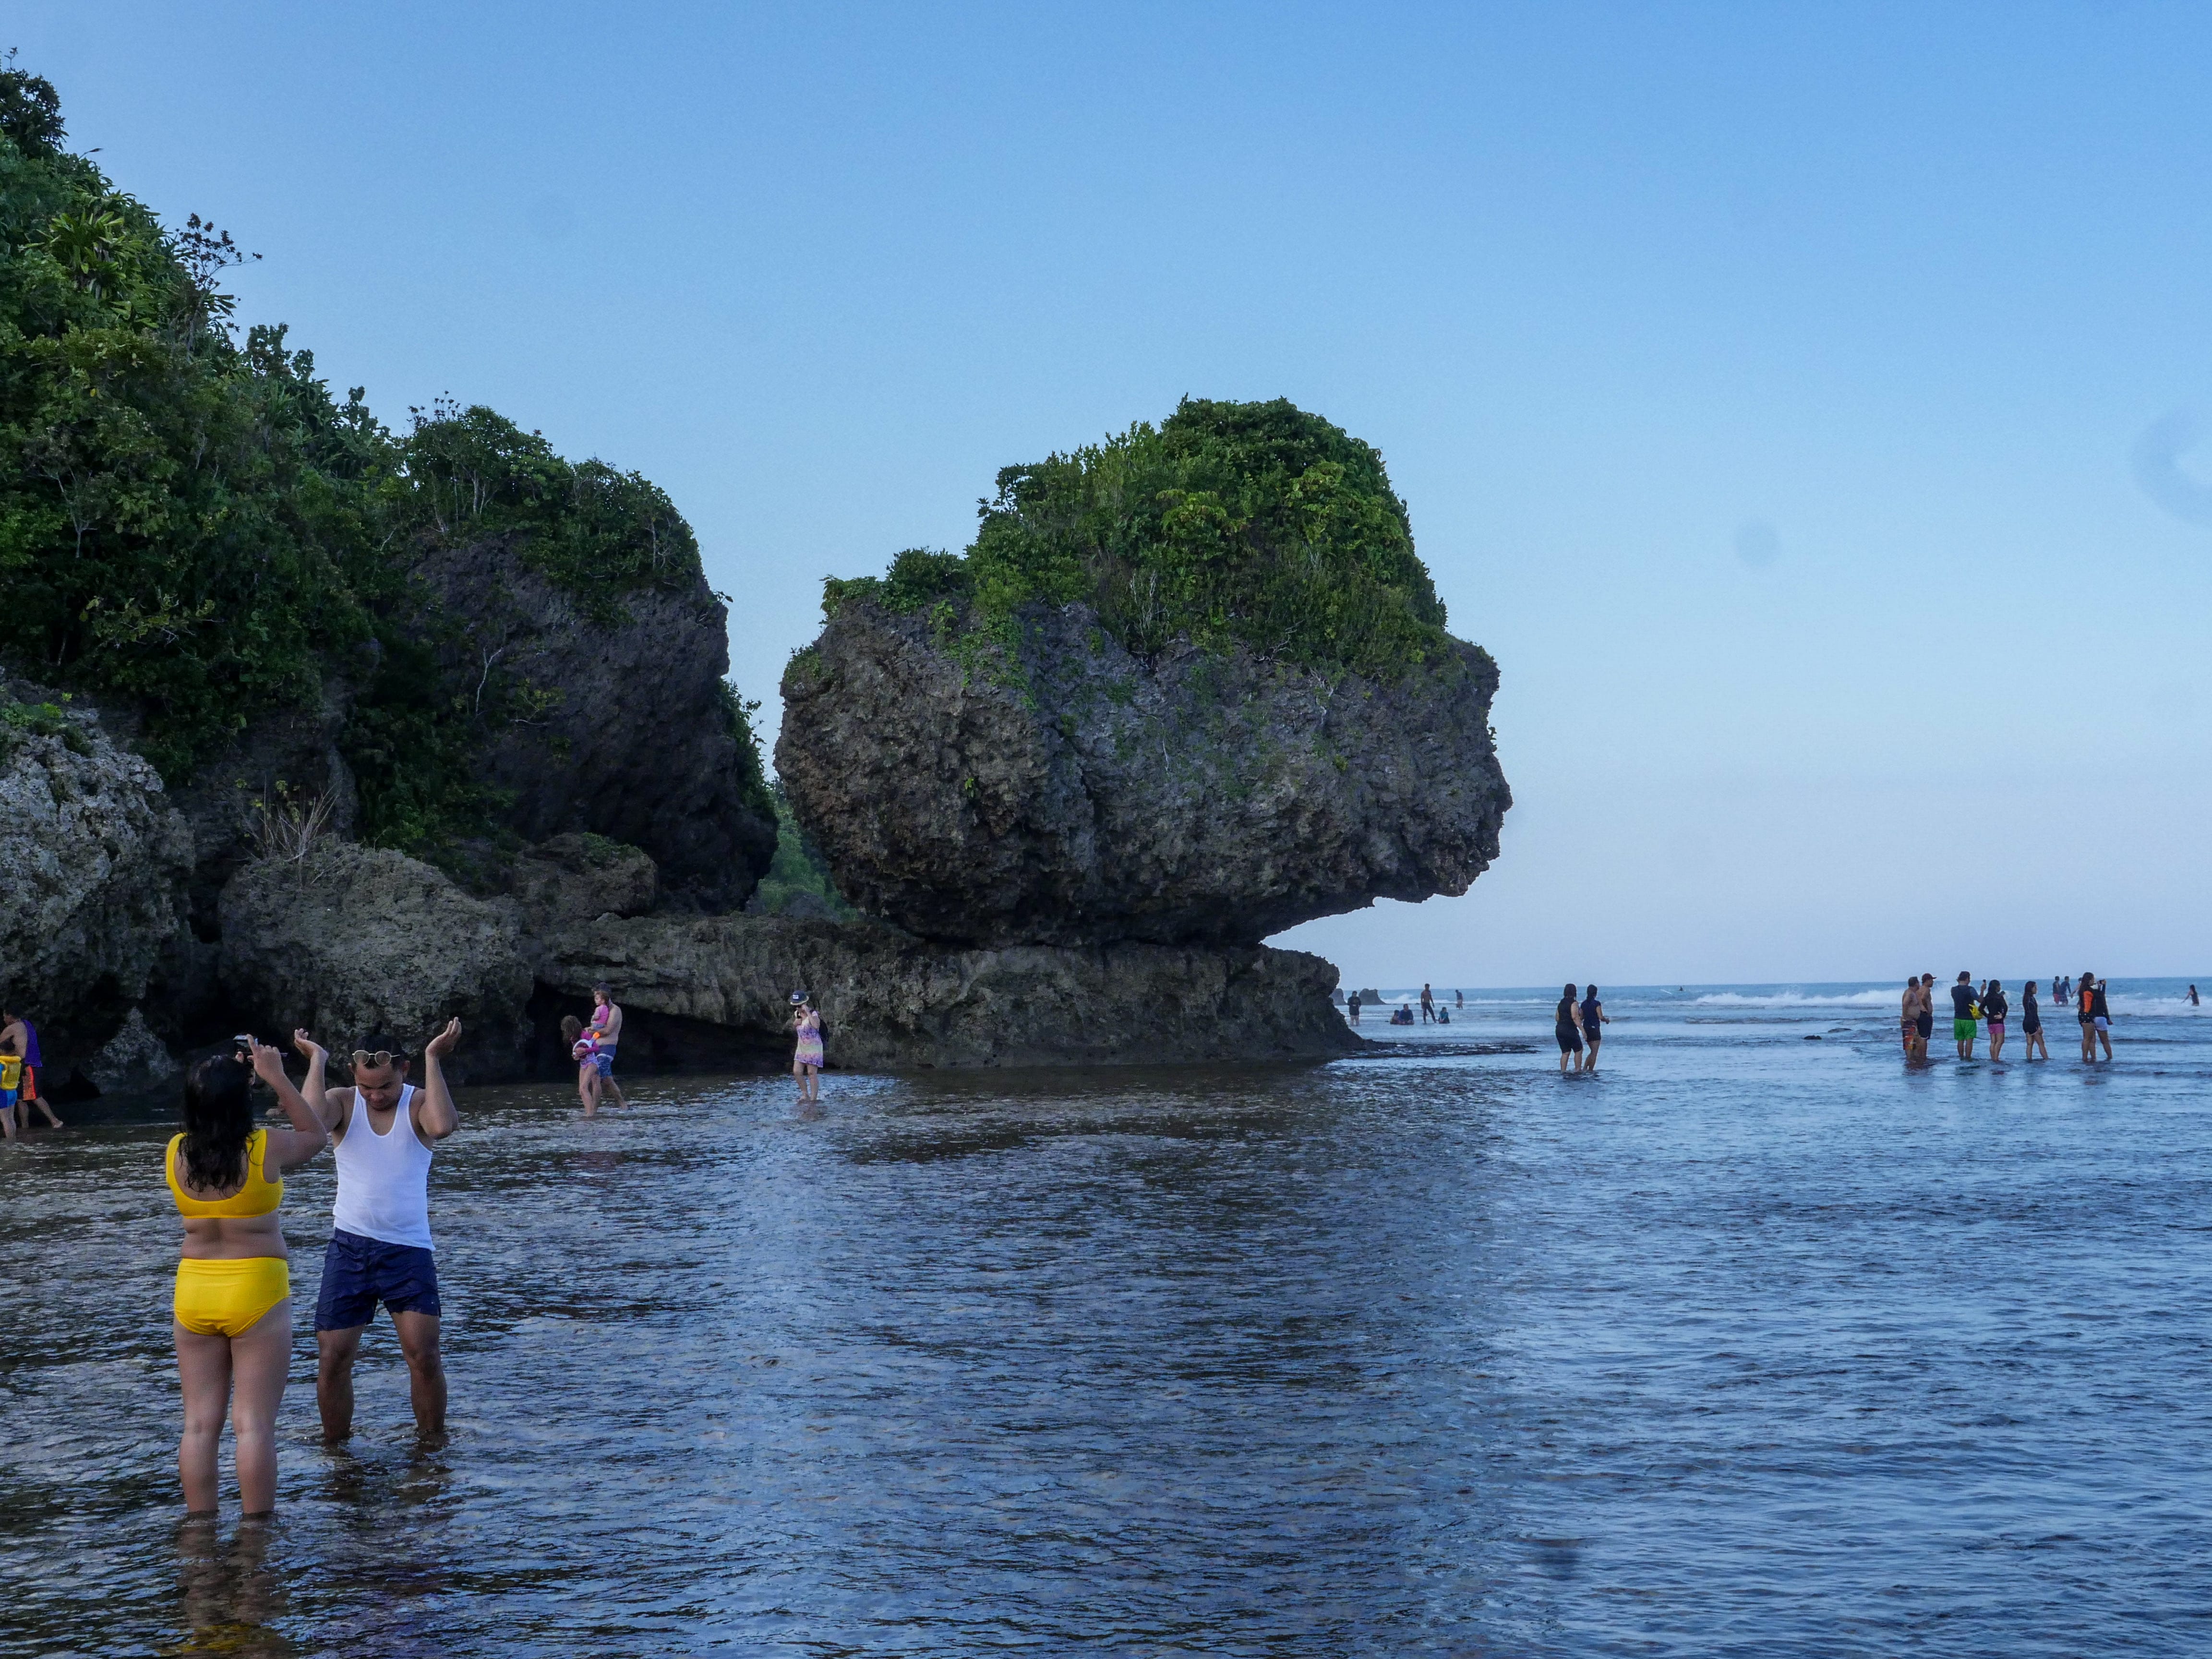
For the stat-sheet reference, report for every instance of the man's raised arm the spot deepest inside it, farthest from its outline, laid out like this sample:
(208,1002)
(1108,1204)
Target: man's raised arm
(434,1116)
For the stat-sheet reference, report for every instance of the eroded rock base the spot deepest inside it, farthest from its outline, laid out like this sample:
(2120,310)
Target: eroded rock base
(891,1002)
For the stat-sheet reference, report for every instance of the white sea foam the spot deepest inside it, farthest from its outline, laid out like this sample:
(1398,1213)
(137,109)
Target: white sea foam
(2124,1003)
(1801,999)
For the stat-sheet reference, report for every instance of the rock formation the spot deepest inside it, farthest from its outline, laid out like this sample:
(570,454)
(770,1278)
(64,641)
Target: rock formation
(354,939)
(891,1001)
(1190,686)
(132,1061)
(1205,797)
(93,859)
(631,737)
(572,878)
(283,754)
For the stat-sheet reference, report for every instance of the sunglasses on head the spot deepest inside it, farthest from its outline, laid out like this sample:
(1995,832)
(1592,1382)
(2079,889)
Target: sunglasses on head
(381,1058)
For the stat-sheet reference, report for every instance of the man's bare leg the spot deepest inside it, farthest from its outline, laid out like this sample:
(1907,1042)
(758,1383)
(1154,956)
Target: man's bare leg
(335,1352)
(426,1371)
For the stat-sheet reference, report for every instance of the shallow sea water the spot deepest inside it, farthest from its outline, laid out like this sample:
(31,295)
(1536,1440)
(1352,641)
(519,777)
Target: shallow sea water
(1748,1344)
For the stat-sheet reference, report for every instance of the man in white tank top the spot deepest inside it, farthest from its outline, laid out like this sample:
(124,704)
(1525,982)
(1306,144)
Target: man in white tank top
(383,1128)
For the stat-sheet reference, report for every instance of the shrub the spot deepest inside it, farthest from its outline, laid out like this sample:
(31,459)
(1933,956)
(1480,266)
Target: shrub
(1253,524)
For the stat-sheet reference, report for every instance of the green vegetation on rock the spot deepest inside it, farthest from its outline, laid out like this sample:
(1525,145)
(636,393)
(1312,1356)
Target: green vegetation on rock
(1254,523)
(194,531)
(798,883)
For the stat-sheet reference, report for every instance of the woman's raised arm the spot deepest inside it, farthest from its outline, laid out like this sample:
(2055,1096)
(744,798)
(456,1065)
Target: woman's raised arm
(291,1147)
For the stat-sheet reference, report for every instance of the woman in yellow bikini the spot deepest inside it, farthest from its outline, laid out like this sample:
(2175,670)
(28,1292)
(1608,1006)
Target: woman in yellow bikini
(234,1301)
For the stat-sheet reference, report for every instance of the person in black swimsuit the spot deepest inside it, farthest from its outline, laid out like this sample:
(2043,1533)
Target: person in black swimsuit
(2031,1022)
(1568,1028)
(1925,1025)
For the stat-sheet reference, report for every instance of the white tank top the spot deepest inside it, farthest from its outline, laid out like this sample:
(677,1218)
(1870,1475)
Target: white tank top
(384,1180)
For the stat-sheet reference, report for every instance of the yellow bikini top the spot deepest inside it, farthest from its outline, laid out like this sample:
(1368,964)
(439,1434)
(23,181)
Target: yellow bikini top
(258,1196)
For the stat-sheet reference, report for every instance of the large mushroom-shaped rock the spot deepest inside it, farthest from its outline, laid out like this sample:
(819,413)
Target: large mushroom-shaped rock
(1191,686)
(350,940)
(1203,797)
(93,860)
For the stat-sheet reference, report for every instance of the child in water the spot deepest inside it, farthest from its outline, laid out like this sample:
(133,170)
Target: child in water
(11,1082)
(806,1059)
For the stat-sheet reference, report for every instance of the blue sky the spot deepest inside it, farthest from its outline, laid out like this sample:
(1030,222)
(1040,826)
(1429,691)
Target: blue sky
(1804,402)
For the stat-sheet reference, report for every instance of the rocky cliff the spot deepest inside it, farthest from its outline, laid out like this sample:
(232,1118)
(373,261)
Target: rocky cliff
(627,729)
(354,941)
(93,860)
(1093,796)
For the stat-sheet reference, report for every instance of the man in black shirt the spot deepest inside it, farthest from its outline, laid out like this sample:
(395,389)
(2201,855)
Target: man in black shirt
(1963,1029)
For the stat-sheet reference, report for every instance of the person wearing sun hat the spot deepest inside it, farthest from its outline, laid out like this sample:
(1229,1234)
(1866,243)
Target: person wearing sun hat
(806,1061)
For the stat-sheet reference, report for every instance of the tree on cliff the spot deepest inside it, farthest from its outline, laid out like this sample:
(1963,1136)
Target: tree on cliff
(1256,524)
(195,532)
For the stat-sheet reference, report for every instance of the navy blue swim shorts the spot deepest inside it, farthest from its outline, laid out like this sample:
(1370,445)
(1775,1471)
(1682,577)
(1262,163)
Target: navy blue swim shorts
(359,1273)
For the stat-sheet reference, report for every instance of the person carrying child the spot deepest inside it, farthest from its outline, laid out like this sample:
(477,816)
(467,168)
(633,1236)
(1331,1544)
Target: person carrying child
(26,1034)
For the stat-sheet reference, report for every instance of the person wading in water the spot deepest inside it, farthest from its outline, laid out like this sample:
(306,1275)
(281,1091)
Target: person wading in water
(1594,1020)
(13,1024)
(232,1306)
(379,1248)
(605,1027)
(806,1056)
(1567,1027)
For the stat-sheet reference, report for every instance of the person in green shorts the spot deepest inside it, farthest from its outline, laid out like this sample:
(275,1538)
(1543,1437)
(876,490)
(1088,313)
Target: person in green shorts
(1964,1028)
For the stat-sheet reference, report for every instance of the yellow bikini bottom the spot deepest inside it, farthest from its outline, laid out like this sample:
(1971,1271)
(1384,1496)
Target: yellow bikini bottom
(225,1296)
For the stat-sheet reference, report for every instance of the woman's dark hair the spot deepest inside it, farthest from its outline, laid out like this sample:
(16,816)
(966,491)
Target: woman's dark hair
(218,1121)
(1570,990)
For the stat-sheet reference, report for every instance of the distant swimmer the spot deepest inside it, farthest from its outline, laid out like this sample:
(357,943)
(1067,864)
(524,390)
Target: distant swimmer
(1568,1028)
(2085,996)
(2192,997)
(1963,1029)
(1428,1006)
(1594,1020)
(1351,1006)
(380,1251)
(1924,1024)
(1908,1016)
(2100,1018)
(807,1058)
(1459,998)
(2031,1023)
(232,1306)
(1994,1006)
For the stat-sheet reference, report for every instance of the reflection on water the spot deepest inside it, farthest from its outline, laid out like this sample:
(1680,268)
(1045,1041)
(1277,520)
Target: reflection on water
(227,1598)
(1745,1345)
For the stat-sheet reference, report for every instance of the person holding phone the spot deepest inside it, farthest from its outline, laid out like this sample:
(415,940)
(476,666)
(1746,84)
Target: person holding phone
(233,1303)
